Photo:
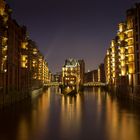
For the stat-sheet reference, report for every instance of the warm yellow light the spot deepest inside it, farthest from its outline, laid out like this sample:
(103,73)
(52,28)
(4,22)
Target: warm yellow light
(23,65)
(112,43)
(130,34)
(5,70)
(113,74)
(122,63)
(131,68)
(33,65)
(130,42)
(71,82)
(130,24)
(122,50)
(71,69)
(131,50)
(4,48)
(113,59)
(121,37)
(2,7)
(4,41)
(24,45)
(108,52)
(24,57)
(113,55)
(121,27)
(122,57)
(123,72)
(129,30)
(34,52)
(24,61)
(131,58)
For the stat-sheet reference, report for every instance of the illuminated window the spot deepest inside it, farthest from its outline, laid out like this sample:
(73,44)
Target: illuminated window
(131,68)
(131,58)
(24,45)
(2,7)
(130,50)
(34,51)
(24,61)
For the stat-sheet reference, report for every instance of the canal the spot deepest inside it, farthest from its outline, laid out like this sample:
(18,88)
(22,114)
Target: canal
(92,115)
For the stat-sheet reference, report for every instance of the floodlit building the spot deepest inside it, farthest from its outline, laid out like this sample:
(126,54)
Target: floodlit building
(71,73)
(112,63)
(19,63)
(39,72)
(122,63)
(14,64)
(4,15)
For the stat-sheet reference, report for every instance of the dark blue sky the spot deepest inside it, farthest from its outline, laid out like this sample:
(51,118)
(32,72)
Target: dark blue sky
(71,28)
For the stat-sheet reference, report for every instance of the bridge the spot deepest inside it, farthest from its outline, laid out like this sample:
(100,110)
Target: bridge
(94,84)
(89,84)
(52,84)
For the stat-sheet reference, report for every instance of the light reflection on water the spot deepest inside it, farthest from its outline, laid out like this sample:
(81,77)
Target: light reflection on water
(93,114)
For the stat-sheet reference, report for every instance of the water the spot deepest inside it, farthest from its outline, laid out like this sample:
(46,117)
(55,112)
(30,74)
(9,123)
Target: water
(92,115)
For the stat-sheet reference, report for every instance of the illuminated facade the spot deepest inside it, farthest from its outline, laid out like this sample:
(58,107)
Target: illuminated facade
(14,68)
(112,63)
(71,73)
(107,62)
(39,72)
(12,54)
(3,44)
(17,60)
(122,57)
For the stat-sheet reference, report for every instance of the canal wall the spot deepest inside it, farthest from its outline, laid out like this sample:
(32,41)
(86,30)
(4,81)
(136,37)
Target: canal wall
(129,92)
(14,97)
(36,93)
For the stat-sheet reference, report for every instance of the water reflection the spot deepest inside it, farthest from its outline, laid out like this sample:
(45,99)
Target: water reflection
(71,114)
(93,114)
(120,122)
(35,123)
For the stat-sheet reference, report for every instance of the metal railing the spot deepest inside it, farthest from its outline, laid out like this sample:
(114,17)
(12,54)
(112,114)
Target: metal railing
(94,84)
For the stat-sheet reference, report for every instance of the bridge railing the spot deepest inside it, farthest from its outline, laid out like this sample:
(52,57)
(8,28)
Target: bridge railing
(52,84)
(85,84)
(94,84)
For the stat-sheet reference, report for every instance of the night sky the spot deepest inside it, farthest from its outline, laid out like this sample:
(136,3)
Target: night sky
(79,29)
